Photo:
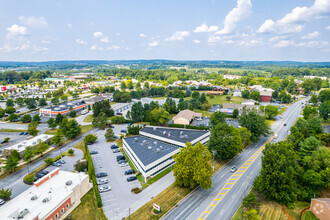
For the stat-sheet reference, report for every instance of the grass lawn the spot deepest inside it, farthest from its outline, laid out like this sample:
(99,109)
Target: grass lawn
(51,131)
(309,216)
(12,130)
(89,118)
(87,209)
(282,110)
(204,113)
(166,200)
(270,122)
(85,128)
(81,146)
(159,98)
(220,99)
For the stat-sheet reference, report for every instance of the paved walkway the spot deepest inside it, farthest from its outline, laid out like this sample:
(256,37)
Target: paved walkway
(80,119)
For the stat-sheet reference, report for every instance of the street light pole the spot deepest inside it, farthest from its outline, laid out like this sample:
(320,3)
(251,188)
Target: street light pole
(213,153)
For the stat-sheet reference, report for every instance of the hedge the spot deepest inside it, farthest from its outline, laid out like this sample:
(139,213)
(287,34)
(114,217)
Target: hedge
(189,127)
(91,173)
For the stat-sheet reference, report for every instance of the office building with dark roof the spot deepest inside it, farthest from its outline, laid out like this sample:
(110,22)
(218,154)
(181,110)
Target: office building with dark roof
(63,108)
(152,150)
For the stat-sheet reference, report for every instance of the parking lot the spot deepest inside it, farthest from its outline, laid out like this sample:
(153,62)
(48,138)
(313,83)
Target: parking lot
(115,202)
(233,122)
(203,122)
(14,138)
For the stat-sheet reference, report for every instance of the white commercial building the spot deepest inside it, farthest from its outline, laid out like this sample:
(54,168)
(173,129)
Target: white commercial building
(52,197)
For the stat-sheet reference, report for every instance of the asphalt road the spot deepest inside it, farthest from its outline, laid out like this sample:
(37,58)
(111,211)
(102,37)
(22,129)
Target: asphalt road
(228,189)
(15,180)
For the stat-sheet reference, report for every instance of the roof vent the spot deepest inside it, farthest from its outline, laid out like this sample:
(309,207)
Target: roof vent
(181,133)
(135,139)
(157,150)
(35,197)
(161,147)
(154,128)
(164,132)
(155,142)
(57,108)
(68,183)
(169,135)
(39,139)
(62,106)
(46,200)
(19,145)
(22,213)
(185,136)
(149,147)
(144,142)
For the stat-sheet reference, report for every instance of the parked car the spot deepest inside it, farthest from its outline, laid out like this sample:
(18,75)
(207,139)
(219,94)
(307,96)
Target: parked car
(131,178)
(233,169)
(45,172)
(129,172)
(104,188)
(120,157)
(123,131)
(90,143)
(103,181)
(25,133)
(119,113)
(39,175)
(114,146)
(122,161)
(56,164)
(123,164)
(116,150)
(2,201)
(129,124)
(93,152)
(101,174)
(275,136)
(285,124)
(61,161)
(21,133)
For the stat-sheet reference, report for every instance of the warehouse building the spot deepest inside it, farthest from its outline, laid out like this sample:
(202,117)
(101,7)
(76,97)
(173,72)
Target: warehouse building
(152,150)
(63,108)
(52,197)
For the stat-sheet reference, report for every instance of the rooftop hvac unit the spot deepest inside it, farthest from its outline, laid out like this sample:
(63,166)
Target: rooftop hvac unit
(35,197)
(157,150)
(154,128)
(19,145)
(57,108)
(22,213)
(144,142)
(62,106)
(169,135)
(185,136)
(68,183)
(46,200)
(70,103)
(155,142)
(135,139)
(181,133)
(164,132)
(149,147)
(161,147)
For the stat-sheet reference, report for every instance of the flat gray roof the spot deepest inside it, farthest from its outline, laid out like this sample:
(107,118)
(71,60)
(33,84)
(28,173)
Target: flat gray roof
(66,105)
(176,134)
(139,145)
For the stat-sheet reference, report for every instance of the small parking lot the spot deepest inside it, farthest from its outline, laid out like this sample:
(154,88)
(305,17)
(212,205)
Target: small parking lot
(14,138)
(115,202)
(233,122)
(203,122)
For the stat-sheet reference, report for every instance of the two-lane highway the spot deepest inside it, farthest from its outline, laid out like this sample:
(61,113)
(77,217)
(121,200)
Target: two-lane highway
(228,189)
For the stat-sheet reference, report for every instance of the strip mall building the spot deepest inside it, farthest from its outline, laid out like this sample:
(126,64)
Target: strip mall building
(63,108)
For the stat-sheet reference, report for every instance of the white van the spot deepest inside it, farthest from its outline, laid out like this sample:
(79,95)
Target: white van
(275,136)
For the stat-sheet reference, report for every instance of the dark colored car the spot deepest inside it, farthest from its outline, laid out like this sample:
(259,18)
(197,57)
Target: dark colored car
(129,172)
(285,124)
(44,172)
(25,133)
(122,161)
(93,152)
(120,157)
(119,113)
(2,201)
(115,137)
(114,146)
(21,133)
(98,175)
(90,143)
(123,131)
(131,178)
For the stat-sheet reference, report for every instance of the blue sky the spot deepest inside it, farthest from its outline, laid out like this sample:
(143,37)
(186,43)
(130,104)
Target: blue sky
(41,30)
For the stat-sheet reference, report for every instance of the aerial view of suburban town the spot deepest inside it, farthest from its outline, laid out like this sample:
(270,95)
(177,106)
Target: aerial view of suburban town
(170,110)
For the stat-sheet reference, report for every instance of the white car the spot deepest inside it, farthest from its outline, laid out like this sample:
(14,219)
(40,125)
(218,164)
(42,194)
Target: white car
(103,181)
(104,188)
(275,136)
(123,164)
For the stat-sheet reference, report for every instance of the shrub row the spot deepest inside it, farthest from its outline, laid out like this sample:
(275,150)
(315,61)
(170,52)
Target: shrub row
(91,173)
(136,190)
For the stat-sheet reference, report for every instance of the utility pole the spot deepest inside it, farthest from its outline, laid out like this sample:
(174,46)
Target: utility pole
(214,152)
(129,213)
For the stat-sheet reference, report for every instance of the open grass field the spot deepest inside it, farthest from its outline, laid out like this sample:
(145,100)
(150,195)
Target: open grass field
(89,118)
(81,146)
(85,128)
(12,130)
(87,209)
(51,131)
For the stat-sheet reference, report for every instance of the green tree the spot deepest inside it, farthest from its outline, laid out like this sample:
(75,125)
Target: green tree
(40,148)
(226,141)
(57,139)
(137,112)
(58,119)
(20,101)
(15,153)
(64,97)
(31,103)
(255,96)
(256,124)
(28,154)
(42,102)
(245,135)
(146,85)
(10,102)
(317,82)
(26,118)
(2,112)
(284,97)
(129,84)
(308,86)
(123,85)
(216,118)
(55,101)
(51,123)
(309,145)
(271,111)
(309,111)
(193,167)
(12,117)
(109,134)
(324,110)
(10,110)
(101,121)
(64,125)
(245,94)
(235,113)
(5,194)
(32,128)
(202,99)
(49,161)
(195,95)
(90,138)
(324,95)
(36,118)
(313,100)
(159,115)
(72,113)
(71,151)
(251,214)
(277,179)
(11,163)
(73,130)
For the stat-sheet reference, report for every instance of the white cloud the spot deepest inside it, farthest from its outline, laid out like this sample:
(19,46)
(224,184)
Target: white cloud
(39,49)
(153,44)
(79,41)
(45,42)
(16,30)
(313,44)
(178,35)
(197,41)
(213,39)
(142,35)
(205,28)
(69,25)
(94,47)
(105,39)
(241,11)
(327,28)
(312,35)
(97,34)
(285,43)
(33,21)
(293,21)
(113,48)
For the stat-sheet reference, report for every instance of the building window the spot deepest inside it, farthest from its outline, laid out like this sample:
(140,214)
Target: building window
(62,211)
(57,216)
(67,205)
